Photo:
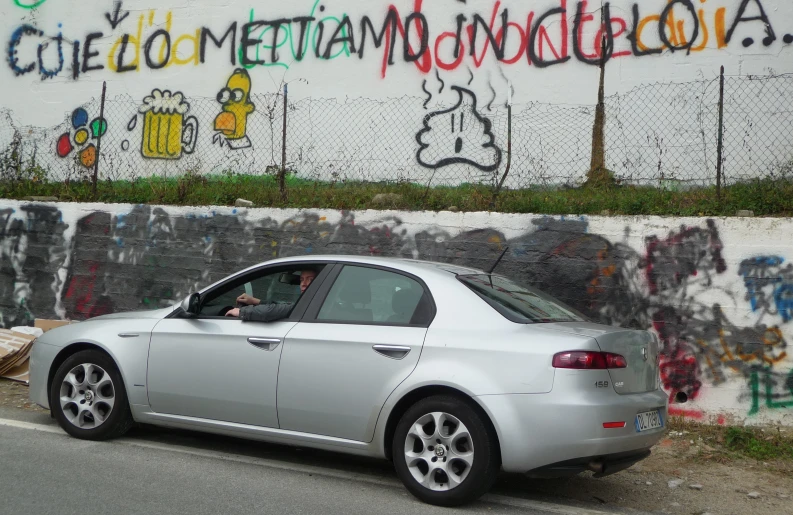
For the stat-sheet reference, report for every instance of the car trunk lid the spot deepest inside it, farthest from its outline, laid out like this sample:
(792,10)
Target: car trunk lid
(639,348)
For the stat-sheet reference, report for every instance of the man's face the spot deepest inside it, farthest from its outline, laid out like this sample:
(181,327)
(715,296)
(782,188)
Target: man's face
(305,279)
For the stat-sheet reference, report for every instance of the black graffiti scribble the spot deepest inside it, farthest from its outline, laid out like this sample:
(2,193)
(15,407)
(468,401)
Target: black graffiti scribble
(493,91)
(471,79)
(117,17)
(429,95)
(683,254)
(470,140)
(438,76)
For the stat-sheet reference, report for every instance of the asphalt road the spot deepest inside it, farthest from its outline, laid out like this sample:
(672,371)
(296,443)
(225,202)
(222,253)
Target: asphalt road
(167,472)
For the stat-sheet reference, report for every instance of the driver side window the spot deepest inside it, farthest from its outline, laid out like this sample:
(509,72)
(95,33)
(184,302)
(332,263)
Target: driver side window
(279,287)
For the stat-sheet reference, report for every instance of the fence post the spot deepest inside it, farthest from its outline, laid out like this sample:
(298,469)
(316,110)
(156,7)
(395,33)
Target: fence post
(282,174)
(509,154)
(720,135)
(99,139)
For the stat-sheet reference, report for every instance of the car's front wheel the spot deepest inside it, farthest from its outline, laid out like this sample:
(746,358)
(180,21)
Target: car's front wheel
(444,453)
(88,398)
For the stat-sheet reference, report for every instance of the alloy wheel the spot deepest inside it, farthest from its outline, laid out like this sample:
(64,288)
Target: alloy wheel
(439,451)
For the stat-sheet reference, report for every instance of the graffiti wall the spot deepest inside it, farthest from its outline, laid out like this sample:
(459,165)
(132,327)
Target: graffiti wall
(402,90)
(719,293)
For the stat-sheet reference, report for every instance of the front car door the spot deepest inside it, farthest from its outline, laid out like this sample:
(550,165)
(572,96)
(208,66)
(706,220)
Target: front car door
(359,339)
(221,368)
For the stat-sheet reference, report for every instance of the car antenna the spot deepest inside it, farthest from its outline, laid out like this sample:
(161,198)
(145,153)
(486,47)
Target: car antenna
(498,260)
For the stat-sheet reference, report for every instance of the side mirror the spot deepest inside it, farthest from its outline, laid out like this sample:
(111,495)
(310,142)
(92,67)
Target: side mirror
(192,304)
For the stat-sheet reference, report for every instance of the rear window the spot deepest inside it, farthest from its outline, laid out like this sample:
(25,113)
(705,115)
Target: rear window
(518,303)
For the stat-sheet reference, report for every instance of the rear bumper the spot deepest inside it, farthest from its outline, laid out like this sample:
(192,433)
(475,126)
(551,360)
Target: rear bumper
(561,428)
(603,465)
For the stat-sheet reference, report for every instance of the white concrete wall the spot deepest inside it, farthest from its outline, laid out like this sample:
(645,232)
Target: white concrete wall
(58,53)
(719,292)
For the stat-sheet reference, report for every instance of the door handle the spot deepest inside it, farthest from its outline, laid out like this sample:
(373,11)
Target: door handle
(392,351)
(265,343)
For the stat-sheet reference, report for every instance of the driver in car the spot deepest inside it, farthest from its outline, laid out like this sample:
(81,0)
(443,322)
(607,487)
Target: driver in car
(255,311)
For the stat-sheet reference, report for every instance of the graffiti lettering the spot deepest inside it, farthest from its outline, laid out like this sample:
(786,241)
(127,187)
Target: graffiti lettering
(676,26)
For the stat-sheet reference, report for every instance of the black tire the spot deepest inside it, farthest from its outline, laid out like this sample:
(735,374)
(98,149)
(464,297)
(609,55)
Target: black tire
(486,463)
(119,418)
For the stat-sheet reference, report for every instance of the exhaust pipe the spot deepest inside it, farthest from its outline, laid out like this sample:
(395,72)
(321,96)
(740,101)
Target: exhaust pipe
(595,466)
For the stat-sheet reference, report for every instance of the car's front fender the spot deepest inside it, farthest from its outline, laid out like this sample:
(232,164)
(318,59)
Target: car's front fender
(126,340)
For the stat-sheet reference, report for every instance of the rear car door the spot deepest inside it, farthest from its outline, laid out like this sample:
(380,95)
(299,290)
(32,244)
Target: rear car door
(221,368)
(359,339)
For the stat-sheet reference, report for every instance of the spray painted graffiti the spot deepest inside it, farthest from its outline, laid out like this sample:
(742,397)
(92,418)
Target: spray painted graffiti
(83,132)
(769,285)
(167,132)
(235,100)
(564,32)
(79,265)
(458,135)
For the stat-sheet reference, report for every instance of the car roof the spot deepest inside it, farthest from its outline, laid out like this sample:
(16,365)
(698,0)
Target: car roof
(416,266)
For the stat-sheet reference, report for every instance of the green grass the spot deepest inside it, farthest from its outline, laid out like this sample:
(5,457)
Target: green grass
(763,197)
(758,444)
(725,443)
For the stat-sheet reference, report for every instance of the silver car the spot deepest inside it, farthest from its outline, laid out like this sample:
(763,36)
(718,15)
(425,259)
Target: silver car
(452,373)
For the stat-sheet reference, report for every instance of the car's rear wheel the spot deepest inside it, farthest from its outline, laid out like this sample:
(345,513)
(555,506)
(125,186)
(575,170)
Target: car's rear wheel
(88,397)
(444,453)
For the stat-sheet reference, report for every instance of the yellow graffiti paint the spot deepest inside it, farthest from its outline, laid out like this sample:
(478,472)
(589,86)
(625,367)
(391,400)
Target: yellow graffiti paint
(81,136)
(704,32)
(721,15)
(647,19)
(193,58)
(133,41)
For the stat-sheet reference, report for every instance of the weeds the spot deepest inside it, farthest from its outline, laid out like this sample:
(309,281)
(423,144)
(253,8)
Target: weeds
(769,197)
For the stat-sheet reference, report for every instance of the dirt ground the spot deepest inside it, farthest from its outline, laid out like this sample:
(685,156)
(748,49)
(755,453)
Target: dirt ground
(661,483)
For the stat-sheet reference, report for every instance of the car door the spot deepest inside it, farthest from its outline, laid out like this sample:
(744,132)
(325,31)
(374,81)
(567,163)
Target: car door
(361,336)
(222,368)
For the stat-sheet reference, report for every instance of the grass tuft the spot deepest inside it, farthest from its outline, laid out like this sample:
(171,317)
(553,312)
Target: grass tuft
(766,197)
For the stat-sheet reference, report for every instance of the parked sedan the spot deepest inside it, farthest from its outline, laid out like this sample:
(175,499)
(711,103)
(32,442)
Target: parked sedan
(452,373)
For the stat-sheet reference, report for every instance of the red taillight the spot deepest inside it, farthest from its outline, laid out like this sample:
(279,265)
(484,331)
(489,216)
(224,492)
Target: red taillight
(588,360)
(613,425)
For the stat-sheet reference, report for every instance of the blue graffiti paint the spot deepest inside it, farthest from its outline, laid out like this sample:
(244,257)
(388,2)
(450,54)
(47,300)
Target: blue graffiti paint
(783,298)
(79,117)
(16,38)
(45,73)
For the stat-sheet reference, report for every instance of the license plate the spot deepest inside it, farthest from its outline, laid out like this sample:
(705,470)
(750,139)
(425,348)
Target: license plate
(649,420)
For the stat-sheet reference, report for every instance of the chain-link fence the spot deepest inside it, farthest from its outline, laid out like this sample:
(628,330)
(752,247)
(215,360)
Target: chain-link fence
(666,135)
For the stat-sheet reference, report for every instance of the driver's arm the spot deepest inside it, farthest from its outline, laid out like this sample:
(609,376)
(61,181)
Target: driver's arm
(265,312)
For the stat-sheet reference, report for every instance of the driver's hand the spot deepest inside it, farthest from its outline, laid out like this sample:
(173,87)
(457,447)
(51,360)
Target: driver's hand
(235,312)
(247,300)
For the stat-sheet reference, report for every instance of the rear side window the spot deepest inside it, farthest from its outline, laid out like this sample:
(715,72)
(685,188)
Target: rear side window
(519,303)
(370,295)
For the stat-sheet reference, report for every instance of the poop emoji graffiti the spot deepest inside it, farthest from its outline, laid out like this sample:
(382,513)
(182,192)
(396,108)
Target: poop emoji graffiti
(167,133)
(232,123)
(80,137)
(458,135)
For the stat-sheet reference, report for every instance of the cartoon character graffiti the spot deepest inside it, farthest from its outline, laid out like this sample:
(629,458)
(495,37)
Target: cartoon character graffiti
(458,135)
(166,132)
(232,123)
(83,132)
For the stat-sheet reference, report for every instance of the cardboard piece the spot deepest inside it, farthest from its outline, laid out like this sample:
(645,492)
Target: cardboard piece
(15,350)
(14,354)
(46,325)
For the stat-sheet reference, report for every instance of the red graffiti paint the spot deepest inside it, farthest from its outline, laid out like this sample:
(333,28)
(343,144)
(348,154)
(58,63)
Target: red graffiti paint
(81,291)
(424,63)
(686,413)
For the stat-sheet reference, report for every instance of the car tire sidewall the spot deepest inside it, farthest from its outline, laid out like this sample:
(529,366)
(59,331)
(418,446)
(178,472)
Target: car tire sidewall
(486,464)
(118,421)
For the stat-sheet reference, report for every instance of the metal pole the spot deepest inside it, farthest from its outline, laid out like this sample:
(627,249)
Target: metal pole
(282,175)
(720,135)
(99,138)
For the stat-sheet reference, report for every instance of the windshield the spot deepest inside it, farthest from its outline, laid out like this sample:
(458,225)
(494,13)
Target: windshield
(519,303)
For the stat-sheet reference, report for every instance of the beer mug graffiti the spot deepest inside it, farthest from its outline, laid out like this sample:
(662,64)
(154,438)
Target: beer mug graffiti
(166,132)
